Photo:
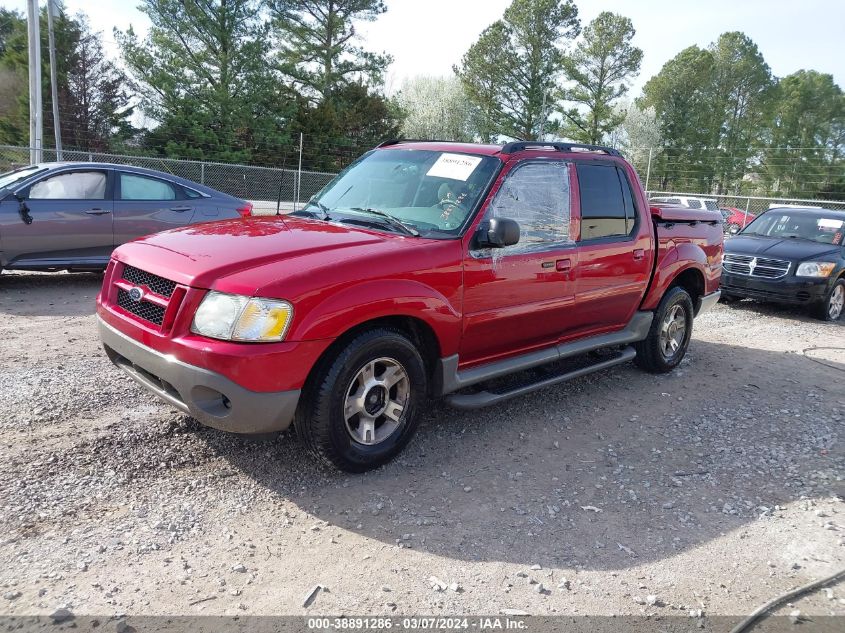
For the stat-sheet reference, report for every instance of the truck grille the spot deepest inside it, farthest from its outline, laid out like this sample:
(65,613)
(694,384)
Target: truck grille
(751,266)
(147,297)
(142,309)
(158,285)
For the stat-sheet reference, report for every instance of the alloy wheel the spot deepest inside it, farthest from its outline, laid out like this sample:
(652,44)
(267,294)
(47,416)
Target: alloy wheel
(673,330)
(376,400)
(836,303)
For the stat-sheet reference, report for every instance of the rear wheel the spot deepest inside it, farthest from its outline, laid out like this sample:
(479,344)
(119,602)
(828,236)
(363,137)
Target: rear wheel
(831,308)
(360,409)
(668,338)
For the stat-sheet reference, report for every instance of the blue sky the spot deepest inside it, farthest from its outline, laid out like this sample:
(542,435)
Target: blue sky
(429,36)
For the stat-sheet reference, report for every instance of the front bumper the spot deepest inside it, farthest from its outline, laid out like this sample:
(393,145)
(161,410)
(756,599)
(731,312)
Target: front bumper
(209,397)
(789,289)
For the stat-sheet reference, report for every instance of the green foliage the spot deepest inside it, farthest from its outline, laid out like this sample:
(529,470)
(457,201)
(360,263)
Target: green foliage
(741,98)
(98,95)
(94,95)
(510,73)
(339,130)
(599,69)
(680,95)
(712,106)
(318,52)
(807,136)
(14,101)
(204,76)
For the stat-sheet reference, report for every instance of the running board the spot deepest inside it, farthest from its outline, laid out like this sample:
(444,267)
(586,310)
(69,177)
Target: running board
(487,398)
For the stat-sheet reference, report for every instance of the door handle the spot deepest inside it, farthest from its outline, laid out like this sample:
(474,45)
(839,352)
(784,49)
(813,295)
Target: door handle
(563,265)
(639,254)
(97,211)
(180,209)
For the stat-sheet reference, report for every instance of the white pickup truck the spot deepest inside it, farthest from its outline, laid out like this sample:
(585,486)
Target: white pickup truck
(693,203)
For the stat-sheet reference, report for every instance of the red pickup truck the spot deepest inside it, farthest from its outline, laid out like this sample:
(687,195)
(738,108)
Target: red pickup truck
(424,270)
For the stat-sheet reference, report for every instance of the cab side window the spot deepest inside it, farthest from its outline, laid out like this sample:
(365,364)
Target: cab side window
(77,185)
(607,204)
(536,196)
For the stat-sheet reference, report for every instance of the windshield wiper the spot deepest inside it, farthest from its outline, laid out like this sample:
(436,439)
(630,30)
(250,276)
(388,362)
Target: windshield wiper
(389,219)
(316,203)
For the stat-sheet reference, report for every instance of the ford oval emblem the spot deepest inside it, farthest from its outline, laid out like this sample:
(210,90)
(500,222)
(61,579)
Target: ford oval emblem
(136,294)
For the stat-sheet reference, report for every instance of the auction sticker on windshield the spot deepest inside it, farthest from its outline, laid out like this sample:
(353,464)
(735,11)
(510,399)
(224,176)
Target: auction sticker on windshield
(826,223)
(454,166)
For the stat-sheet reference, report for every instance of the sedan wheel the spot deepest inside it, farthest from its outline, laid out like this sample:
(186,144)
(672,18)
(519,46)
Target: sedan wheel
(831,309)
(836,302)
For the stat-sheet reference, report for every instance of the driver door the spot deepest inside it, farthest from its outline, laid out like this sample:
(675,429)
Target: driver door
(521,297)
(66,219)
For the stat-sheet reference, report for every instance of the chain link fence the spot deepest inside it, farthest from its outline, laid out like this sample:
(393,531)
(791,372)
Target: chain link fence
(265,187)
(754,205)
(269,187)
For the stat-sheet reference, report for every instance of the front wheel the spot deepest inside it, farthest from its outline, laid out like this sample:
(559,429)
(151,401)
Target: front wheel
(360,409)
(668,338)
(831,308)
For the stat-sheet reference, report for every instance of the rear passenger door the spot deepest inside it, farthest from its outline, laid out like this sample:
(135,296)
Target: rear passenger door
(614,250)
(145,204)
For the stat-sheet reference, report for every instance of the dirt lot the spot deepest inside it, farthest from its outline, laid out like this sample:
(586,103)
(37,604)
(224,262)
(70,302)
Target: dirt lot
(713,488)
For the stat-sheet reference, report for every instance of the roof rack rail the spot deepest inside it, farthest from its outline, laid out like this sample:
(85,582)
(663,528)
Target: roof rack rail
(518,146)
(396,141)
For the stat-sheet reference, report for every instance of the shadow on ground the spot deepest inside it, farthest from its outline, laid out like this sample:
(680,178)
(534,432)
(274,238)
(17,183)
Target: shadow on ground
(764,309)
(49,294)
(606,472)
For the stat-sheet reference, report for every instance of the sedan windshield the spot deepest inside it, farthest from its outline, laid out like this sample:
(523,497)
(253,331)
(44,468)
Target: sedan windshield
(802,226)
(11,177)
(407,191)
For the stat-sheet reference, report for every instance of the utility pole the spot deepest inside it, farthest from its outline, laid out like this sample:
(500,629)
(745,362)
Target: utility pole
(648,169)
(53,11)
(299,173)
(542,135)
(36,129)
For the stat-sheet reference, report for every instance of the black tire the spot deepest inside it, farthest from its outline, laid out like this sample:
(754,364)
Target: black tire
(650,352)
(320,418)
(823,310)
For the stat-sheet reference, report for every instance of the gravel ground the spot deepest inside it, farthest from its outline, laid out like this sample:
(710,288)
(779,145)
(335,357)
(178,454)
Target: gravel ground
(704,492)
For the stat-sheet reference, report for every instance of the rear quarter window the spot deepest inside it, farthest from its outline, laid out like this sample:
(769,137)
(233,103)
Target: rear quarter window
(607,208)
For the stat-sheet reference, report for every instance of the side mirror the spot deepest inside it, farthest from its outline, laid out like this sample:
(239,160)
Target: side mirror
(733,230)
(497,233)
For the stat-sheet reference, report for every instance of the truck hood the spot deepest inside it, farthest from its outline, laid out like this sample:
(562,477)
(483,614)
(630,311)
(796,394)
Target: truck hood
(779,248)
(200,254)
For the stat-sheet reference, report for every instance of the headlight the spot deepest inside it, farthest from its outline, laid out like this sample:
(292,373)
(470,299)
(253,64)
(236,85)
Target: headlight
(239,318)
(815,269)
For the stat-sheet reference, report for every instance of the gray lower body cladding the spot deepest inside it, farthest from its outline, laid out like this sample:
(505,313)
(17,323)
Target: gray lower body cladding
(211,398)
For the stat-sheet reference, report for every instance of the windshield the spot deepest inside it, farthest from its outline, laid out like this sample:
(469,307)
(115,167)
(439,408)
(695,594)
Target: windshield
(429,192)
(11,177)
(784,224)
